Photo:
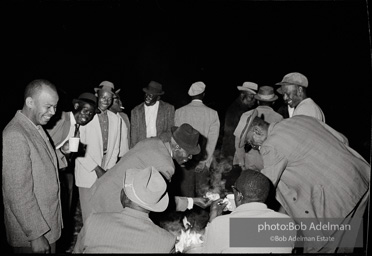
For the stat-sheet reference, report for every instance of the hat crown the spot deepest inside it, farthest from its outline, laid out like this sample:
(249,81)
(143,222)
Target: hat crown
(147,186)
(196,88)
(296,79)
(250,85)
(154,88)
(88,96)
(187,138)
(265,90)
(106,86)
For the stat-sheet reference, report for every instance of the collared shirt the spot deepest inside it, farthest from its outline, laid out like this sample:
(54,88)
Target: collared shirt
(71,132)
(104,123)
(151,112)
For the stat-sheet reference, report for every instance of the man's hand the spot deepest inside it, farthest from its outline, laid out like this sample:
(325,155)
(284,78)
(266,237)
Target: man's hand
(99,171)
(200,167)
(202,202)
(40,245)
(216,209)
(65,149)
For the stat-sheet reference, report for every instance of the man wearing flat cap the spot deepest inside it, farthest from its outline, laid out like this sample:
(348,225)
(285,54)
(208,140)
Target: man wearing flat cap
(67,126)
(149,152)
(153,117)
(243,103)
(102,137)
(245,156)
(293,88)
(130,230)
(206,121)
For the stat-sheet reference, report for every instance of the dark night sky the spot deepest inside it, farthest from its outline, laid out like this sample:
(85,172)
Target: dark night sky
(78,44)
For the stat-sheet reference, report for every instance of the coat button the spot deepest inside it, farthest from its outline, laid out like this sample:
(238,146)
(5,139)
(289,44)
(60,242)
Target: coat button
(306,211)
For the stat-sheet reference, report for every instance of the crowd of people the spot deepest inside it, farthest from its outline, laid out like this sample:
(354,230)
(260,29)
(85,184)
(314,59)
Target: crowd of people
(131,171)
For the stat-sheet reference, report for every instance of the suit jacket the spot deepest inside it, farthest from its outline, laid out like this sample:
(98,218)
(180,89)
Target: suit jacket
(316,174)
(124,134)
(129,231)
(105,192)
(91,135)
(205,120)
(30,182)
(58,133)
(164,122)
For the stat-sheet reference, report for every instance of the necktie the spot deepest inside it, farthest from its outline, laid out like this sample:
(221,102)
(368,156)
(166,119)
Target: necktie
(77,133)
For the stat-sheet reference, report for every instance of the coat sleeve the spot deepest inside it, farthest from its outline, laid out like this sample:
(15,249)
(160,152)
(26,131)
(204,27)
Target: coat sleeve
(213,134)
(18,185)
(124,147)
(133,127)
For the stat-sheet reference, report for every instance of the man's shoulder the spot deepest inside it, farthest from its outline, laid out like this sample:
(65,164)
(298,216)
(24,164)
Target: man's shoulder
(165,104)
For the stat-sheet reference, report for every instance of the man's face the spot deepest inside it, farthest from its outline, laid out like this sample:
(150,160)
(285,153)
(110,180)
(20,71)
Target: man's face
(104,100)
(247,98)
(290,95)
(151,99)
(85,113)
(181,156)
(44,106)
(116,105)
(254,139)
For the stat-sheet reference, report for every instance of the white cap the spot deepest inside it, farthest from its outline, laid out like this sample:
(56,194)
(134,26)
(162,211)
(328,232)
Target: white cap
(196,88)
(248,86)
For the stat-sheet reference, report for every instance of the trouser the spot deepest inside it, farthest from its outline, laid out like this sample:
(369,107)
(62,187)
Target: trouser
(22,250)
(85,206)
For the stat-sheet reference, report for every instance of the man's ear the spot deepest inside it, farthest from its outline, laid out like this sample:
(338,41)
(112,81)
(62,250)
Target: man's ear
(76,105)
(257,130)
(299,91)
(29,102)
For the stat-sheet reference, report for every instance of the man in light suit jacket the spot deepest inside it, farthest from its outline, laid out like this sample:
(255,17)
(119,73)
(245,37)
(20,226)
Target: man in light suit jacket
(148,152)
(206,121)
(316,174)
(130,230)
(102,139)
(31,192)
(152,118)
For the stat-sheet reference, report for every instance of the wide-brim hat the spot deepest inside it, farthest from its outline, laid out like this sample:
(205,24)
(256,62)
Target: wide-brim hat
(246,128)
(266,93)
(87,97)
(187,138)
(294,78)
(106,86)
(248,86)
(147,188)
(154,88)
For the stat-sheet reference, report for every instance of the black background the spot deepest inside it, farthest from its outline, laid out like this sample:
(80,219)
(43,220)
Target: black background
(78,44)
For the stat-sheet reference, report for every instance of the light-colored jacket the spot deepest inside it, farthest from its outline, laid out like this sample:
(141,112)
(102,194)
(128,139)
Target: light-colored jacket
(31,190)
(91,135)
(205,120)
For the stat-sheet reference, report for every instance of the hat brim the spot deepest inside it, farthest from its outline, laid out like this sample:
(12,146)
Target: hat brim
(160,206)
(152,92)
(241,88)
(246,128)
(104,89)
(279,90)
(189,150)
(257,97)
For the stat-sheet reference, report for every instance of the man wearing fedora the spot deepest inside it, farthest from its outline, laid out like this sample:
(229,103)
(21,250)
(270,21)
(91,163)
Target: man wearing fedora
(243,103)
(149,152)
(317,177)
(293,88)
(102,137)
(67,126)
(153,117)
(206,121)
(244,156)
(130,230)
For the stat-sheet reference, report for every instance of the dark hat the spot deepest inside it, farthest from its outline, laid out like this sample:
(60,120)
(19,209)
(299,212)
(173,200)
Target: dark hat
(266,93)
(187,137)
(246,128)
(154,88)
(106,86)
(87,97)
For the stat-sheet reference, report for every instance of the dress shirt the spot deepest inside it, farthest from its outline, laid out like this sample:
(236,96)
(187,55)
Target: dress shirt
(71,132)
(151,112)
(104,123)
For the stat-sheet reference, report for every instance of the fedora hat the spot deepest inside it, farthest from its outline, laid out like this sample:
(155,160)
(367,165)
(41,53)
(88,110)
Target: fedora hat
(248,86)
(187,137)
(87,97)
(147,188)
(106,86)
(266,93)
(294,78)
(246,128)
(154,88)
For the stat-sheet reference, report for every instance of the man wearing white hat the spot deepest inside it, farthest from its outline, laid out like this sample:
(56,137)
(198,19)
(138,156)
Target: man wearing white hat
(249,158)
(293,87)
(206,121)
(243,103)
(102,137)
(130,231)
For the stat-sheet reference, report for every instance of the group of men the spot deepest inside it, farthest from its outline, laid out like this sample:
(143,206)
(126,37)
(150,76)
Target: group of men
(314,171)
